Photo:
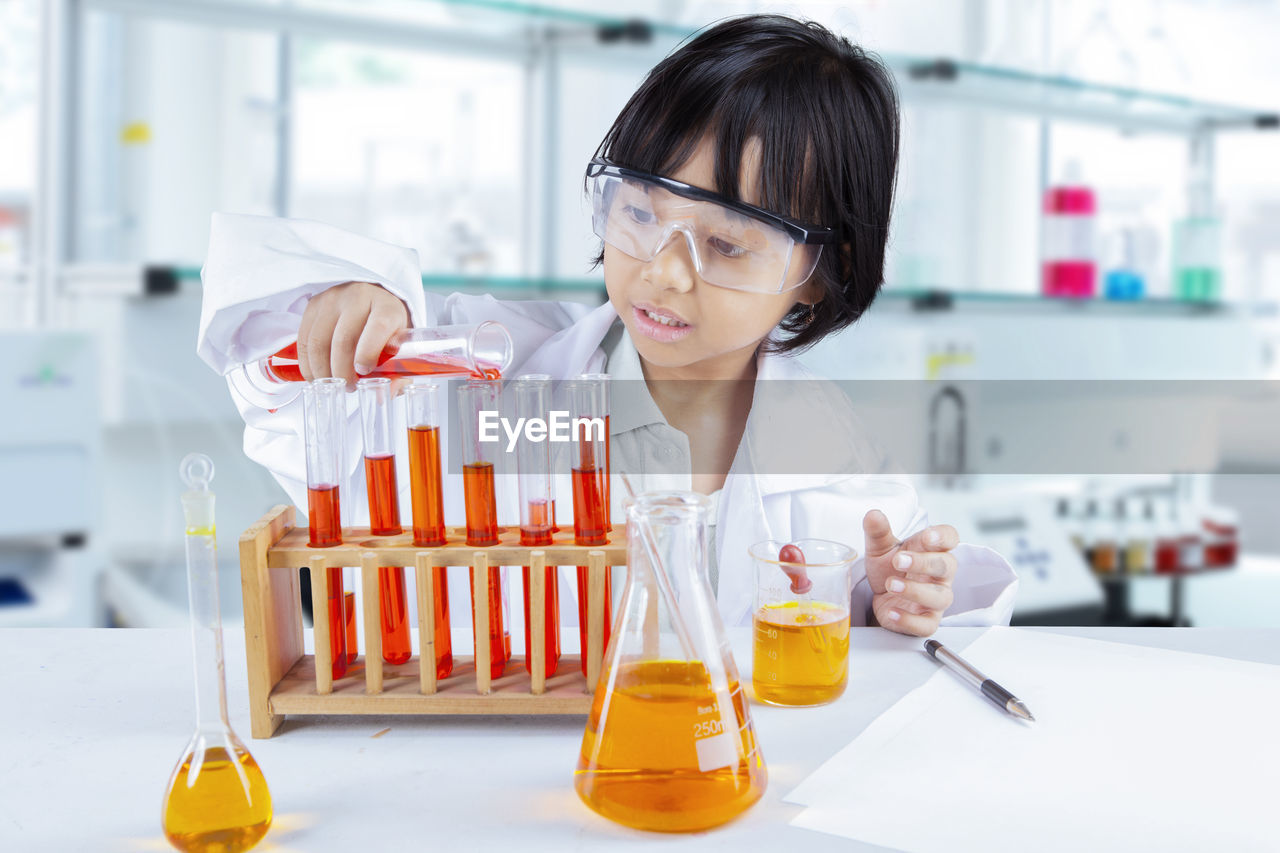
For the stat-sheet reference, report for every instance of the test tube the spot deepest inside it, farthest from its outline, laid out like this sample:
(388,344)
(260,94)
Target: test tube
(533,463)
(588,397)
(480,351)
(474,398)
(422,416)
(384,513)
(324,418)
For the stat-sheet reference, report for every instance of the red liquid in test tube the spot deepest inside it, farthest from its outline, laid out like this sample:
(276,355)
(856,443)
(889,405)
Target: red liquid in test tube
(427,488)
(384,514)
(538,533)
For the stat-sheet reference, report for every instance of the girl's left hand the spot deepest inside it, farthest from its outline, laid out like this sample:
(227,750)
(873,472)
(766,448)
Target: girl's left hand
(910,580)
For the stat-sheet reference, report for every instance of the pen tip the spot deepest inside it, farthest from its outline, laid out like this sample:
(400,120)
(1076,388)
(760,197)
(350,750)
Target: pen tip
(1021,710)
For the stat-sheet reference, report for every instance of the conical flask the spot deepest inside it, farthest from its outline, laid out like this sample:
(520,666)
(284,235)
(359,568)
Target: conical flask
(217,799)
(669,745)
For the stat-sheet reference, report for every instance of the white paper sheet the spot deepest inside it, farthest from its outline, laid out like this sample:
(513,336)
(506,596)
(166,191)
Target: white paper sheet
(1133,749)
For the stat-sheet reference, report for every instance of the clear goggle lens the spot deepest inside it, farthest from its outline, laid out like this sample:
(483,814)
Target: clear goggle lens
(729,248)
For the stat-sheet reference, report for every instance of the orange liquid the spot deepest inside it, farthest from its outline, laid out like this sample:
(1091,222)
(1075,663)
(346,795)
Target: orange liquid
(427,486)
(384,520)
(284,366)
(482,510)
(538,533)
(443,637)
(670,755)
(337,622)
(349,609)
(499,640)
(218,805)
(800,653)
(590,527)
(324,516)
(482,530)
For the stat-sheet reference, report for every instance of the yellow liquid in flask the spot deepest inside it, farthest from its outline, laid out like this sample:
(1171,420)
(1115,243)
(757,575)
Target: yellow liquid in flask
(800,654)
(661,753)
(219,806)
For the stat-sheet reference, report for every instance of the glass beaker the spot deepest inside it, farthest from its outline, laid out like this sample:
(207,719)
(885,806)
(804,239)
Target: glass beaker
(800,646)
(482,351)
(669,744)
(217,798)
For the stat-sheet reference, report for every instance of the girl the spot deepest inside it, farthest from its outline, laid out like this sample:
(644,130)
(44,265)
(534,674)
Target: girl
(742,198)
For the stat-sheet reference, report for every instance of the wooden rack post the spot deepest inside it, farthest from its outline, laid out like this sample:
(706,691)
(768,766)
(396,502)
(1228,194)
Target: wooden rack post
(283,680)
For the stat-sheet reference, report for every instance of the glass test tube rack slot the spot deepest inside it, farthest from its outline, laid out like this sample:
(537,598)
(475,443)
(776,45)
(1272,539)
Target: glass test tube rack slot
(284,681)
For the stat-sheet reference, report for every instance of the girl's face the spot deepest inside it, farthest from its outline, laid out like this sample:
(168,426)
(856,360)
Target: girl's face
(713,330)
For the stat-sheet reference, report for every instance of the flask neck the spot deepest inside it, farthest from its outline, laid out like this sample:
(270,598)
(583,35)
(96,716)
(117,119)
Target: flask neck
(206,633)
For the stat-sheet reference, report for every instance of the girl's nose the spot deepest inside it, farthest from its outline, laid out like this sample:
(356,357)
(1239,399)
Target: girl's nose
(673,266)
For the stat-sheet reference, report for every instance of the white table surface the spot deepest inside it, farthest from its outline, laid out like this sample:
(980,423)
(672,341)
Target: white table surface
(92,722)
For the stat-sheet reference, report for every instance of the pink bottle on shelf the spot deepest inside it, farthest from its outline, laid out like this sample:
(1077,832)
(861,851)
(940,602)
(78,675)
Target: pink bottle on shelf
(1069,253)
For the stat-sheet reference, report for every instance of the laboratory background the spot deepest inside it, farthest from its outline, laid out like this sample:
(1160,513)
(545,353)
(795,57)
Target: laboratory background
(1080,304)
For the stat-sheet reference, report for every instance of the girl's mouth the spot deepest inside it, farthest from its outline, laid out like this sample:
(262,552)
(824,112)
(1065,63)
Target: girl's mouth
(659,325)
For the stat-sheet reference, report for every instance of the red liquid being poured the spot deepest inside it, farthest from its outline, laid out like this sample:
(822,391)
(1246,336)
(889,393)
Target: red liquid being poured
(384,520)
(284,366)
(538,533)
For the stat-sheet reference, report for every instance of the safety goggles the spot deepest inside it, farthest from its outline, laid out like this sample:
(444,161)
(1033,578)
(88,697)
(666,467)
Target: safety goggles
(733,244)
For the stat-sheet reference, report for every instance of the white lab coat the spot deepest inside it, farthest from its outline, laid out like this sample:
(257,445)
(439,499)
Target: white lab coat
(260,272)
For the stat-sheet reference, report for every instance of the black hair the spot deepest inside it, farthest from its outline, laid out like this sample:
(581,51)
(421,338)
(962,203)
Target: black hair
(826,115)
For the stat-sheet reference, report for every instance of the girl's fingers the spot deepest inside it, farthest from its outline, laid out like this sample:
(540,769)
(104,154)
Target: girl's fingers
(904,616)
(878,534)
(926,595)
(383,322)
(939,537)
(342,350)
(926,566)
(313,348)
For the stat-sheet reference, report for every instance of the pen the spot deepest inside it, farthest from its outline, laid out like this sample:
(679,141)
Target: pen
(989,688)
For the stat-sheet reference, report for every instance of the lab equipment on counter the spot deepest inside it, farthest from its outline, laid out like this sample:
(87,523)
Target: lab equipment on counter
(800,647)
(1068,239)
(422,416)
(482,351)
(588,397)
(384,512)
(669,743)
(1197,244)
(217,799)
(475,397)
(537,511)
(324,418)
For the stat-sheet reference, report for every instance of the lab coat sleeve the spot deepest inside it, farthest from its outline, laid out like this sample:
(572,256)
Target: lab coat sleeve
(260,271)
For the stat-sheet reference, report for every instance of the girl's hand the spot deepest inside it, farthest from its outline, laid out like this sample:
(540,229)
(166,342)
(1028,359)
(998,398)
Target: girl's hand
(911,580)
(345,328)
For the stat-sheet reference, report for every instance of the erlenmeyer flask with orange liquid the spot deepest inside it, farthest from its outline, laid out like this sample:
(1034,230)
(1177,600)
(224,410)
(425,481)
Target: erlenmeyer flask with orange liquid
(669,744)
(217,799)
(482,351)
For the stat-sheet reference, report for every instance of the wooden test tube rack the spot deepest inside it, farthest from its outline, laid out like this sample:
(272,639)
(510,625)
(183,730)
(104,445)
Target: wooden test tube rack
(283,680)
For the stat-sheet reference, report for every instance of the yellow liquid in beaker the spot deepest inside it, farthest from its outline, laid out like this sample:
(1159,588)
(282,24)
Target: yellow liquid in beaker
(668,757)
(801,652)
(225,808)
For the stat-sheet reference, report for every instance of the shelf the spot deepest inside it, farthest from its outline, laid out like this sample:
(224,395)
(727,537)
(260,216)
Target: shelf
(1054,96)
(929,299)
(484,283)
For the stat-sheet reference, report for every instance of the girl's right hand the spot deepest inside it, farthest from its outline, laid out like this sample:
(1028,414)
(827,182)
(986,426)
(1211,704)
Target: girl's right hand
(345,328)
